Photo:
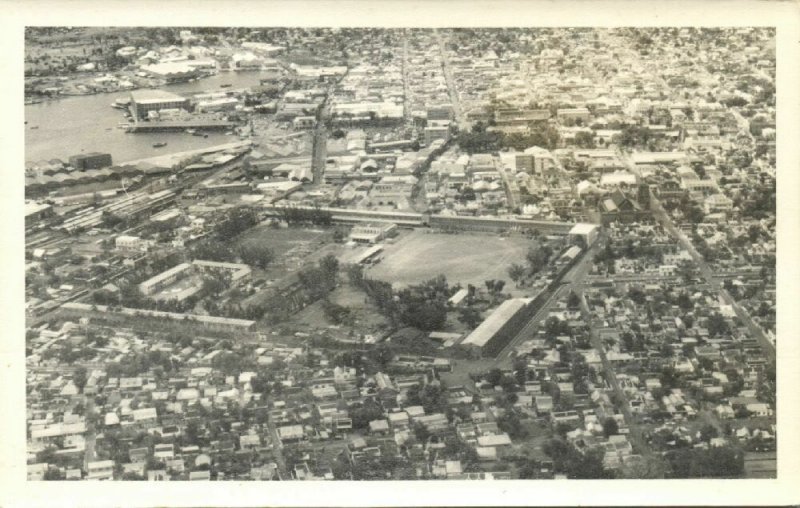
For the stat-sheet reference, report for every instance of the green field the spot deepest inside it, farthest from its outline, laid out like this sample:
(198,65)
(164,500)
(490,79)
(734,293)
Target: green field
(467,258)
(295,242)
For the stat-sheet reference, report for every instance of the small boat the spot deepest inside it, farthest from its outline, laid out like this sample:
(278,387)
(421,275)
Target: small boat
(121,104)
(191,131)
(195,133)
(159,145)
(35,127)
(226,85)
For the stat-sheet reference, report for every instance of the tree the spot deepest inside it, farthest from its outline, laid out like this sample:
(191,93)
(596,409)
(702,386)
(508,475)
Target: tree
(716,462)
(584,139)
(637,295)
(577,465)
(53,474)
(573,301)
(469,316)
(717,325)
(510,423)
(213,285)
(256,254)
(336,313)
(234,223)
(610,427)
(708,432)
(421,432)
(538,257)
(494,376)
(79,377)
(516,272)
(330,269)
(684,301)
(370,410)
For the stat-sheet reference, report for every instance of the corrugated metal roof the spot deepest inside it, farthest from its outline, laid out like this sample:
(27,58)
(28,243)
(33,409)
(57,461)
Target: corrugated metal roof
(491,325)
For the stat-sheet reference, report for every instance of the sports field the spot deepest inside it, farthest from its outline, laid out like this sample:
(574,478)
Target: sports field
(462,258)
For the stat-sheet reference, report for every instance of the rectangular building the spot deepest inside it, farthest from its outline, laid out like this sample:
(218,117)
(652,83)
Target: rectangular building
(164,279)
(371,232)
(499,328)
(93,160)
(144,101)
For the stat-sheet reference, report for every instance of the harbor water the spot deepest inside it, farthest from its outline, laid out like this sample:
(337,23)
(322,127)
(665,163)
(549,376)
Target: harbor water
(73,125)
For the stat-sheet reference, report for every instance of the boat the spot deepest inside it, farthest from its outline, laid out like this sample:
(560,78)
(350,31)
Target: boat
(191,131)
(226,85)
(121,104)
(35,127)
(195,133)
(159,145)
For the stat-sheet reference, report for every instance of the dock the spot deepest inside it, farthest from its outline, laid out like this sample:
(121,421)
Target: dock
(155,126)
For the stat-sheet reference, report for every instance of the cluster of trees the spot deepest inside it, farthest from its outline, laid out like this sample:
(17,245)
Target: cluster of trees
(318,281)
(338,314)
(432,397)
(368,411)
(315,216)
(480,140)
(545,136)
(538,257)
(235,222)
(510,423)
(422,306)
(633,135)
(139,363)
(715,462)
(576,465)
(250,252)
(256,254)
(584,139)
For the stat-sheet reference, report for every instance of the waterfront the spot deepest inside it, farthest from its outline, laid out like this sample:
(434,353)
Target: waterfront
(88,123)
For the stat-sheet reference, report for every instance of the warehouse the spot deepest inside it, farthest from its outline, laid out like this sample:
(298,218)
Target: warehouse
(499,328)
(144,101)
(584,233)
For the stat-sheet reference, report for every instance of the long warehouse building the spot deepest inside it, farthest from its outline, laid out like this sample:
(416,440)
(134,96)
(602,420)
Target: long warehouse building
(499,328)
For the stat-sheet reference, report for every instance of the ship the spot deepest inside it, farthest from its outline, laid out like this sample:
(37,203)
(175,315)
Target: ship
(159,144)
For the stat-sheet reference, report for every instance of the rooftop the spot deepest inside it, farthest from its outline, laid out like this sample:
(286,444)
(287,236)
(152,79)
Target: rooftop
(150,96)
(491,325)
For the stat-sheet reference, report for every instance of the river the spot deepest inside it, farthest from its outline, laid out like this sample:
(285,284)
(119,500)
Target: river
(88,123)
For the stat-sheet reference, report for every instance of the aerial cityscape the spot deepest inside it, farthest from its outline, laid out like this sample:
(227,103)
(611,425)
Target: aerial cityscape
(286,254)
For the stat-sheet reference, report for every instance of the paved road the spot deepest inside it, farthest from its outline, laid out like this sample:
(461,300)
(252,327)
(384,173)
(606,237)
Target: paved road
(463,124)
(406,90)
(90,436)
(571,280)
(635,436)
(712,280)
(511,187)
(277,447)
(320,148)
